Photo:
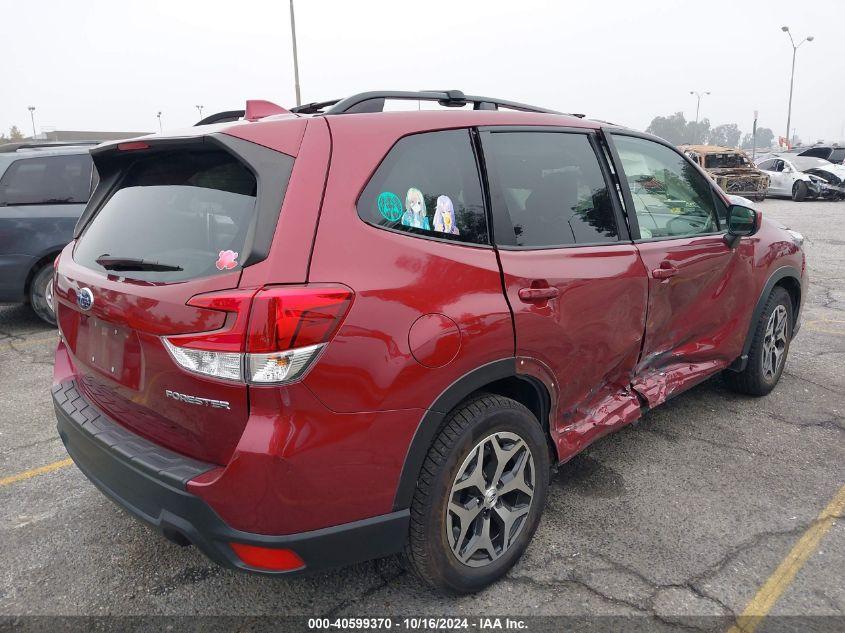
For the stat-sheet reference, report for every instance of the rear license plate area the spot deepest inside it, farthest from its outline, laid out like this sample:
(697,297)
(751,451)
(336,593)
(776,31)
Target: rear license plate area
(110,349)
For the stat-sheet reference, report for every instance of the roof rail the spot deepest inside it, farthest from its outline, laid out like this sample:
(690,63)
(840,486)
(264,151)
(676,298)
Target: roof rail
(13,147)
(374,101)
(315,107)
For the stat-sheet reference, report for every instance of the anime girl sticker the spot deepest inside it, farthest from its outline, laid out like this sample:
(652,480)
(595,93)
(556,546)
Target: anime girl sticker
(444,216)
(415,214)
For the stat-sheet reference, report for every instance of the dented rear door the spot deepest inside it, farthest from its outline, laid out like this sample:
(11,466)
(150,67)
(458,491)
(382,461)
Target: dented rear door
(574,281)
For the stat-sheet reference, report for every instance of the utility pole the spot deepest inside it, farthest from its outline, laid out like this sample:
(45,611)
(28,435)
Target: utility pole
(295,59)
(199,109)
(698,95)
(32,116)
(158,116)
(754,138)
(795,47)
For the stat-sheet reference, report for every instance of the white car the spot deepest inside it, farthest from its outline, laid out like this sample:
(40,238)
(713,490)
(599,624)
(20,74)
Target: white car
(829,176)
(785,179)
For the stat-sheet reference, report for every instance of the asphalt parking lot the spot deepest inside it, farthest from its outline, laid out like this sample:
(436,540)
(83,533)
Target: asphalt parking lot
(688,513)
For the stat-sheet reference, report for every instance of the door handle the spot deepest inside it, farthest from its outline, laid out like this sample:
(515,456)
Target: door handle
(665,271)
(530,295)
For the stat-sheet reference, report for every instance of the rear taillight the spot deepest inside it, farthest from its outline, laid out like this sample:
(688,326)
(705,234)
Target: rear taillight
(272,335)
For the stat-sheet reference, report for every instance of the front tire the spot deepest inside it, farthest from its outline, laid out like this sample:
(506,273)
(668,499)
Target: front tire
(41,294)
(479,496)
(769,348)
(800,191)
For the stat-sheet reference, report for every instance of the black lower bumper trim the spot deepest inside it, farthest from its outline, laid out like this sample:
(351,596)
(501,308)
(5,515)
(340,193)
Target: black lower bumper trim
(130,472)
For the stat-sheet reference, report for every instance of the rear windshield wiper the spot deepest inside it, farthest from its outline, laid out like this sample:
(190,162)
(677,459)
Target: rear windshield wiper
(133,263)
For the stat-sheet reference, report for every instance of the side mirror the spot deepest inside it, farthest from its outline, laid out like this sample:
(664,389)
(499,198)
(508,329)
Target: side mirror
(741,222)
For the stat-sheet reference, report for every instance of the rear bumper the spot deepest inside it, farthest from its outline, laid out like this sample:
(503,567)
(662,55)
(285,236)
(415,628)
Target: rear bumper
(150,482)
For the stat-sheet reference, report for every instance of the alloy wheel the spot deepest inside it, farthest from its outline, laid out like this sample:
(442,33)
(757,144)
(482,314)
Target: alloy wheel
(490,499)
(774,342)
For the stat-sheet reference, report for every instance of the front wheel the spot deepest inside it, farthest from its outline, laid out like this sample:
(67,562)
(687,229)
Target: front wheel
(479,496)
(769,347)
(41,294)
(799,191)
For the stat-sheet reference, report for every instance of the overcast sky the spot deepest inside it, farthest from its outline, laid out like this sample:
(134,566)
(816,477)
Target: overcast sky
(111,65)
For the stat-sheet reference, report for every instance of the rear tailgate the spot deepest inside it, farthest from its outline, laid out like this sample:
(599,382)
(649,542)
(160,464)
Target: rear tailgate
(172,220)
(122,365)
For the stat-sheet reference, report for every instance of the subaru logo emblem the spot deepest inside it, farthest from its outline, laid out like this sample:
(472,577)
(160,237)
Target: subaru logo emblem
(85,298)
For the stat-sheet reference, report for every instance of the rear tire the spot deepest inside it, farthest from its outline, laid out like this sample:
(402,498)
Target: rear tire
(472,517)
(769,348)
(799,191)
(41,294)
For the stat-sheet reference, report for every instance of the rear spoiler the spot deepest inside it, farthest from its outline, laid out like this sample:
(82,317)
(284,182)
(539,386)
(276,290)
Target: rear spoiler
(255,109)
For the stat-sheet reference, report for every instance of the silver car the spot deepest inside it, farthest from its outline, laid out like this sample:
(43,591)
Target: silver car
(785,179)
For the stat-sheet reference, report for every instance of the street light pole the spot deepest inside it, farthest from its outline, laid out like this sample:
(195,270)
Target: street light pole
(32,116)
(158,116)
(199,109)
(795,47)
(295,58)
(698,95)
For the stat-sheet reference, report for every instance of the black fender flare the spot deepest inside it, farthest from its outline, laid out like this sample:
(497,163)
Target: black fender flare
(779,274)
(434,416)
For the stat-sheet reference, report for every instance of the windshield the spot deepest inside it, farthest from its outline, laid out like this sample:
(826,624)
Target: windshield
(725,161)
(176,216)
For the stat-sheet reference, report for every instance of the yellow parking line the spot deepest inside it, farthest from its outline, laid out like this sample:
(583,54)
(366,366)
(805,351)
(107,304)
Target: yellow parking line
(778,582)
(41,470)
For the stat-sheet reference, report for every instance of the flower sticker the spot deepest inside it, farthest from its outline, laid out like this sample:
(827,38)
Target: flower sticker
(226,260)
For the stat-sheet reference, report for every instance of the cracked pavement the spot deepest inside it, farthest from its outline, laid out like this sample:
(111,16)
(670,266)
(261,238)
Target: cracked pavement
(684,515)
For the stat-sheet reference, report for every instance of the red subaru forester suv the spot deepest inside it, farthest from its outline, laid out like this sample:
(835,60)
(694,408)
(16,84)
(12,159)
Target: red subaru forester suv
(299,339)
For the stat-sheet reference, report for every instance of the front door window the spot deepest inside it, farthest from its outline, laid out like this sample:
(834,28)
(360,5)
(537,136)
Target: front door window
(671,197)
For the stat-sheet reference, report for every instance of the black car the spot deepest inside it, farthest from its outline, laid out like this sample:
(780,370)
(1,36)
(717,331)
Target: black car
(832,153)
(43,190)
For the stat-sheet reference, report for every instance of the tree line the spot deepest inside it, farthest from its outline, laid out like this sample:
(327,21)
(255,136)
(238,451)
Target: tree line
(678,131)
(14,135)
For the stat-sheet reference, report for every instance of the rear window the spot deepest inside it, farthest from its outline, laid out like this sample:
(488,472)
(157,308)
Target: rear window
(726,161)
(47,180)
(172,217)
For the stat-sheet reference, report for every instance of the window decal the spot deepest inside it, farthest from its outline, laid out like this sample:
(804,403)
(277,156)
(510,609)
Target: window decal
(390,206)
(444,216)
(415,212)
(226,260)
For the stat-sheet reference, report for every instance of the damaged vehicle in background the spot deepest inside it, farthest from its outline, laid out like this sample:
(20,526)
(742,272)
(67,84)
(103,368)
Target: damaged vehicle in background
(829,178)
(802,177)
(731,169)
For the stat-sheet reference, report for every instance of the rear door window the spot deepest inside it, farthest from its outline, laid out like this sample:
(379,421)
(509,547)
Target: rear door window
(174,216)
(47,180)
(428,185)
(549,189)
